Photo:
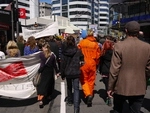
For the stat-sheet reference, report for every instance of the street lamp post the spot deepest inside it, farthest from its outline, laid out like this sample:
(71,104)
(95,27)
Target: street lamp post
(12,20)
(17,22)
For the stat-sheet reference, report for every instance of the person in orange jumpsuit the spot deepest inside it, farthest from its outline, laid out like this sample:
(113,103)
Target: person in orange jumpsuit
(91,51)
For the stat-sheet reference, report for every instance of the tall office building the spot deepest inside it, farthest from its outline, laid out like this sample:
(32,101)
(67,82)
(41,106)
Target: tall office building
(45,9)
(82,13)
(31,6)
(103,16)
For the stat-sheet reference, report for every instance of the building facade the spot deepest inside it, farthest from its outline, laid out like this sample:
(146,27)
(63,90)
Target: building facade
(130,10)
(31,6)
(45,9)
(82,13)
(103,16)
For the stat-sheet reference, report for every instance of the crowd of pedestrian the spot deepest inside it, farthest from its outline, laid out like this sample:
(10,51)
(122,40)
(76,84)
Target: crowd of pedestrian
(123,65)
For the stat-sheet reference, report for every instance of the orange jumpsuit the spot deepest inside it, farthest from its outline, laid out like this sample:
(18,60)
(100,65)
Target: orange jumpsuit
(91,52)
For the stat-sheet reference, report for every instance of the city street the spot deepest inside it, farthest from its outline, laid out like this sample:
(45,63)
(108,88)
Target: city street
(57,104)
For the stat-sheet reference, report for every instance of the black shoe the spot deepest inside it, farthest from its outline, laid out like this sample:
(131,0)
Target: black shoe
(89,101)
(69,103)
(41,105)
(76,110)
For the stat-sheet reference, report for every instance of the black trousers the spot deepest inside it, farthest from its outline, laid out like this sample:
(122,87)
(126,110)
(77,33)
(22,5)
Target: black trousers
(135,103)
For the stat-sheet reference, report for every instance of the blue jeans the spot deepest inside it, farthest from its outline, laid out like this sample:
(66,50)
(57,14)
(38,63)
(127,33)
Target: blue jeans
(75,83)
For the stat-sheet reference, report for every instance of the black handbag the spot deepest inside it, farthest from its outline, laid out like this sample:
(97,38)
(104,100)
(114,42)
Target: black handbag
(37,78)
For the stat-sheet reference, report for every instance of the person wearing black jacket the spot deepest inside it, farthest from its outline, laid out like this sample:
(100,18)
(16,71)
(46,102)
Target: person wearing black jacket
(71,61)
(105,61)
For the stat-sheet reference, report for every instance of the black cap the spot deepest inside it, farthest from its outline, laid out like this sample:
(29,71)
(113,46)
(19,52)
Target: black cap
(132,26)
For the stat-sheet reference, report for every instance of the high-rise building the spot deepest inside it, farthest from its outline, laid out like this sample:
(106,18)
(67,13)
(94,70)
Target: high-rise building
(82,13)
(45,9)
(103,16)
(31,6)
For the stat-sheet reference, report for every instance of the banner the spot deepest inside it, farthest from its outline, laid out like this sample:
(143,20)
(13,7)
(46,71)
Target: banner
(16,76)
(39,32)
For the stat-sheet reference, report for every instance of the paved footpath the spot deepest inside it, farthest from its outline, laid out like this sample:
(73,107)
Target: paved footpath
(57,104)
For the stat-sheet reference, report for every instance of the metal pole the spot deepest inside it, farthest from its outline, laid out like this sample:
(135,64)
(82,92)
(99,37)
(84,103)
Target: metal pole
(17,23)
(12,20)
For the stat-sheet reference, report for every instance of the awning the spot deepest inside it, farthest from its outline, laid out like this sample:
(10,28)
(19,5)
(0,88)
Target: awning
(69,30)
(61,27)
(74,27)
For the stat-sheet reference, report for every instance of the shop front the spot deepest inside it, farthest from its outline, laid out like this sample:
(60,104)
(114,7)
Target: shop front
(5,28)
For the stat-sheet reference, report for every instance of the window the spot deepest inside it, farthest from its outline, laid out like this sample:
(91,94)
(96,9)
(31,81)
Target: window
(104,20)
(103,24)
(5,1)
(56,2)
(64,2)
(27,11)
(106,5)
(65,14)
(106,10)
(103,15)
(64,8)
(23,4)
(80,6)
(55,8)
(79,13)
(80,19)
(57,14)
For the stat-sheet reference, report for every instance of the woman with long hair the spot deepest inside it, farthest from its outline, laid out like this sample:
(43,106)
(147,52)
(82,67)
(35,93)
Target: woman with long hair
(105,61)
(70,69)
(12,49)
(48,65)
(31,46)
(21,44)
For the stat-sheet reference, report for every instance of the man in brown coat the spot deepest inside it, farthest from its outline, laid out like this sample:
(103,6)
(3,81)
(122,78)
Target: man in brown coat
(130,66)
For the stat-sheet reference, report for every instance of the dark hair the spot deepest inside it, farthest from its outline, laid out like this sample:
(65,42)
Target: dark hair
(136,34)
(132,28)
(70,41)
(40,43)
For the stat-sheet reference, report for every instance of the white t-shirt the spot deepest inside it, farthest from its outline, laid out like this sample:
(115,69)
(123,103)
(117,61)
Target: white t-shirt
(2,55)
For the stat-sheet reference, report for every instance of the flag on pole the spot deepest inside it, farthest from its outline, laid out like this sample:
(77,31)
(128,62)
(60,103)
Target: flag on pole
(22,13)
(8,7)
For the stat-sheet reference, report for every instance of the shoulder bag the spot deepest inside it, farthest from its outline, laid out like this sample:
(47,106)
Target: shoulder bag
(37,78)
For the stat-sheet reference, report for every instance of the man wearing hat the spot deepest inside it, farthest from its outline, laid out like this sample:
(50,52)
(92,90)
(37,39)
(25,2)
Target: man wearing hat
(130,66)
